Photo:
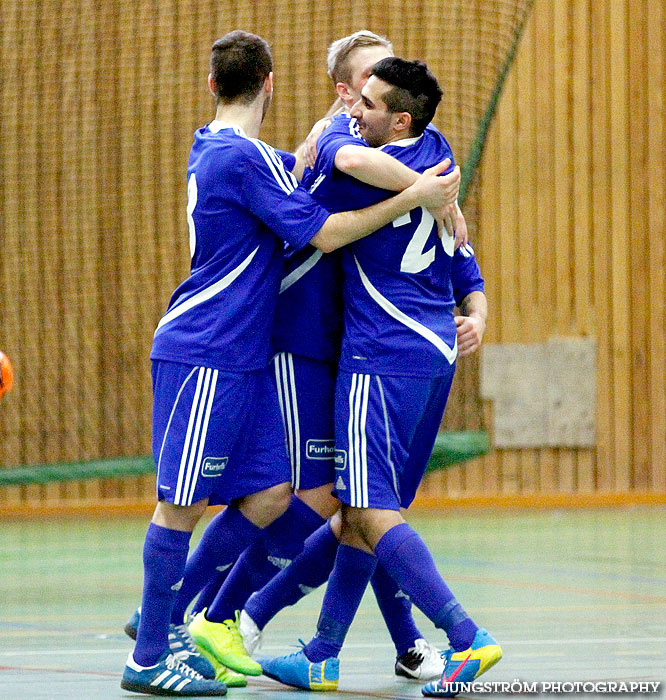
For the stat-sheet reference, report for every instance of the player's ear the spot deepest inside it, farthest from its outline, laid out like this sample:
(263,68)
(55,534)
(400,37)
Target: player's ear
(403,122)
(343,91)
(268,83)
(211,85)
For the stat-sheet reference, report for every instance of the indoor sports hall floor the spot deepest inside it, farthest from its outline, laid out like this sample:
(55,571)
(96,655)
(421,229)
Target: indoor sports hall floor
(570,595)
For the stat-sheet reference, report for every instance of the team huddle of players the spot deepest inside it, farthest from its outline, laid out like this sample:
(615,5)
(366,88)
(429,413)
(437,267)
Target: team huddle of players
(323,310)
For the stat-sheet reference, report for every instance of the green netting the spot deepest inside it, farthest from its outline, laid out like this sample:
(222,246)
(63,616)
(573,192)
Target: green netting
(450,449)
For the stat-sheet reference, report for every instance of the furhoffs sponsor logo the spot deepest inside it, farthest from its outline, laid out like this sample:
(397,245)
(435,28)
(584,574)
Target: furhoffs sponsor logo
(320,449)
(214,466)
(340,460)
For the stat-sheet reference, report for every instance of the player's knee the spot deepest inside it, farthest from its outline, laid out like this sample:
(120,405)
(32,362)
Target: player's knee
(354,527)
(368,524)
(176,517)
(335,524)
(264,507)
(320,499)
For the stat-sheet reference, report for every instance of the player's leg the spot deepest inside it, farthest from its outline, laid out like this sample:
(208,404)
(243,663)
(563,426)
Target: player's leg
(297,381)
(402,551)
(361,440)
(309,570)
(304,390)
(182,394)
(375,488)
(216,629)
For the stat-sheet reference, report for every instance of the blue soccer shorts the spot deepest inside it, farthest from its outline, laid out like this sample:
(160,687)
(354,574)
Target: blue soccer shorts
(385,429)
(306,390)
(216,435)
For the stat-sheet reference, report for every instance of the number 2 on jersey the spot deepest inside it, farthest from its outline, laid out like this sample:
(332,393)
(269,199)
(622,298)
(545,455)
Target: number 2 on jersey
(415,260)
(192,194)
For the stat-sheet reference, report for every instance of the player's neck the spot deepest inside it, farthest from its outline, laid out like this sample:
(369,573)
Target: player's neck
(398,136)
(248,117)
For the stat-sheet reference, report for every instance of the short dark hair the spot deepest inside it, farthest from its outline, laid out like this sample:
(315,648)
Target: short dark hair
(239,64)
(415,90)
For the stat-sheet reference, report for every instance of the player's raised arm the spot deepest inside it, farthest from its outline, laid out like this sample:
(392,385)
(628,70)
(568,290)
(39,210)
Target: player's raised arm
(342,228)
(379,169)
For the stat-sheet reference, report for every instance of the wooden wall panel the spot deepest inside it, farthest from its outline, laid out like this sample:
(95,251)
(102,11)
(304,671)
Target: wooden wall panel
(655,168)
(599,256)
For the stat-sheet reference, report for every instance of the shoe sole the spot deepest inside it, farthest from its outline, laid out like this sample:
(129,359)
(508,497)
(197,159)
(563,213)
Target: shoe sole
(154,690)
(229,663)
(232,682)
(401,673)
(493,658)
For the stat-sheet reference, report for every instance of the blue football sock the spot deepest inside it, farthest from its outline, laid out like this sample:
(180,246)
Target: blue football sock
(349,579)
(309,570)
(406,558)
(396,609)
(209,591)
(164,557)
(226,536)
(280,542)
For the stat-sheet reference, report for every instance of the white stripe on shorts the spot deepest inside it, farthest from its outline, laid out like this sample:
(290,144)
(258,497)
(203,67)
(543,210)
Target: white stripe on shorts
(192,436)
(296,471)
(286,385)
(389,461)
(202,440)
(356,435)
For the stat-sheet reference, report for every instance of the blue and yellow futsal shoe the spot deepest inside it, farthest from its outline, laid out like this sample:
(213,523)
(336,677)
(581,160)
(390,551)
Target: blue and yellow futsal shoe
(297,670)
(464,666)
(168,676)
(182,646)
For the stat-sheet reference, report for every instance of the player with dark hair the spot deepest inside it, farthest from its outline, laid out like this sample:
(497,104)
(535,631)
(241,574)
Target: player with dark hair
(239,64)
(398,357)
(217,431)
(414,90)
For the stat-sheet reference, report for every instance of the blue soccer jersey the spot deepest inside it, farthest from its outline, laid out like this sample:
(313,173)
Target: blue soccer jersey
(242,206)
(398,282)
(308,317)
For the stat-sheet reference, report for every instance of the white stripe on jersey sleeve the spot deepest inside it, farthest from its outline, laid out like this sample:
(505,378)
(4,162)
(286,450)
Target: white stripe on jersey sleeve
(279,163)
(284,179)
(206,293)
(301,270)
(401,316)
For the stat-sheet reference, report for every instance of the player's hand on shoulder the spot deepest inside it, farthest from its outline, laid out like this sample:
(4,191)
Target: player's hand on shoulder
(452,184)
(462,236)
(434,193)
(310,143)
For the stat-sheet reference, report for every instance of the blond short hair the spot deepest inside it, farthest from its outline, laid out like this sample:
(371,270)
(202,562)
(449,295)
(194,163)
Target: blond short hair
(339,51)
